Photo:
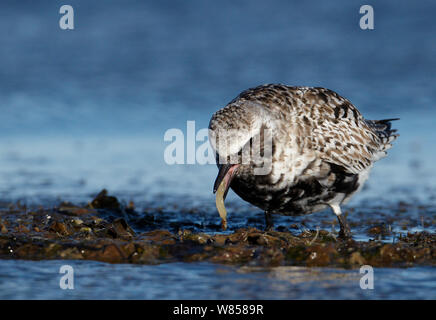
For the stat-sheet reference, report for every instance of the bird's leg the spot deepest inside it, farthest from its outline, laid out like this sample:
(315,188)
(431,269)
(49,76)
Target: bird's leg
(269,223)
(344,232)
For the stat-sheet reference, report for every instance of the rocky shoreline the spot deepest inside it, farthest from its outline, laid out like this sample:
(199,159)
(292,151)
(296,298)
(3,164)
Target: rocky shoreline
(89,233)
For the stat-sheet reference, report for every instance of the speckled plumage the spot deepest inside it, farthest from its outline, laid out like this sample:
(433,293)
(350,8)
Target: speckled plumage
(323,148)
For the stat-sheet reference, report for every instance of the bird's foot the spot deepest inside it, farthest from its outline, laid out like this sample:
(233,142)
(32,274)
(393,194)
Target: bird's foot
(345,234)
(269,223)
(269,228)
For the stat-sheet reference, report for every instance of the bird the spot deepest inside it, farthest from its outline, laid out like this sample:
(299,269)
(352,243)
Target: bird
(321,150)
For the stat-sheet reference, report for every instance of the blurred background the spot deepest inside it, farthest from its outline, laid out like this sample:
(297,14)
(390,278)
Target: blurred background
(87,109)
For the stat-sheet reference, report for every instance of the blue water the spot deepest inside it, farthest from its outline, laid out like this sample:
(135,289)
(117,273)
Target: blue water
(95,280)
(87,109)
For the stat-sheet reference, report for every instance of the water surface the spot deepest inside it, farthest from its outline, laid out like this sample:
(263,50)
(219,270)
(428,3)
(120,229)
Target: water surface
(95,280)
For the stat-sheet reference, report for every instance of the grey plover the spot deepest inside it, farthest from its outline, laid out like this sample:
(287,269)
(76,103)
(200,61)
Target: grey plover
(321,154)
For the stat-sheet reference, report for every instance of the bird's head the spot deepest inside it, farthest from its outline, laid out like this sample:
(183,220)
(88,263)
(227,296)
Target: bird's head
(233,132)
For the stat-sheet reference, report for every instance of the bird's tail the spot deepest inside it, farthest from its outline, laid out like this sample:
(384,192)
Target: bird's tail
(384,131)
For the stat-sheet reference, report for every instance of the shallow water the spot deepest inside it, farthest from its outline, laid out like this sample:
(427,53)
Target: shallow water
(88,109)
(95,280)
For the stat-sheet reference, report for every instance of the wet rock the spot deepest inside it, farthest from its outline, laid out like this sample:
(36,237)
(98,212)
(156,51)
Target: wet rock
(120,229)
(263,239)
(3,228)
(161,236)
(103,201)
(26,250)
(321,255)
(70,253)
(268,257)
(356,258)
(74,211)
(233,254)
(148,254)
(22,229)
(59,227)
(77,222)
(85,230)
(199,238)
(63,233)
(380,230)
(295,255)
(112,253)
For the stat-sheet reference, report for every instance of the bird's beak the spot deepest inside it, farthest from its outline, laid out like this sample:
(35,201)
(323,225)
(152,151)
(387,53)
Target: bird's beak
(225,174)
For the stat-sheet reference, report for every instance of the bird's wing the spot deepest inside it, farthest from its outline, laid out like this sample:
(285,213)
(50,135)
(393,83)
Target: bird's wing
(339,133)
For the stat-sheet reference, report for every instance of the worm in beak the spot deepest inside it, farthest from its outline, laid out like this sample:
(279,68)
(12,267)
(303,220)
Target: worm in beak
(221,187)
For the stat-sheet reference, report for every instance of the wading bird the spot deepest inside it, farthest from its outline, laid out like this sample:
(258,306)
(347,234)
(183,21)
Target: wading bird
(322,150)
